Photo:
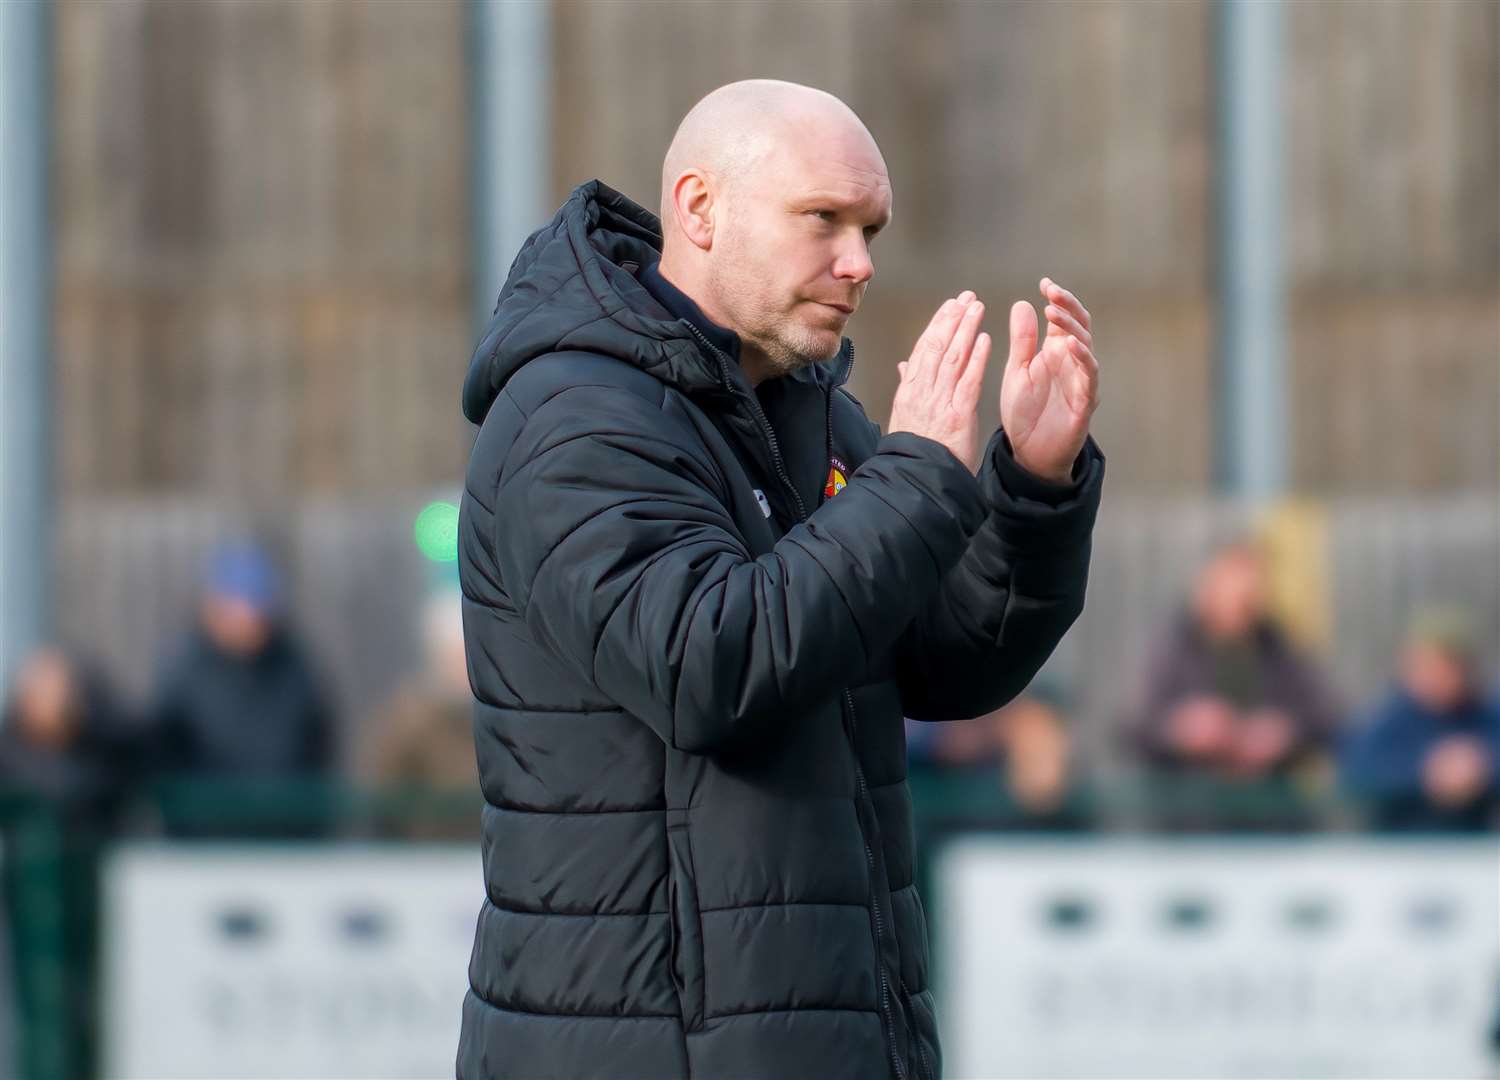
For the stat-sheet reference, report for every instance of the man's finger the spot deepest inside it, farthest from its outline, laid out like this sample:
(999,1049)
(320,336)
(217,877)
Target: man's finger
(948,327)
(1022,335)
(1063,298)
(935,323)
(966,392)
(957,356)
(1085,356)
(1060,321)
(928,355)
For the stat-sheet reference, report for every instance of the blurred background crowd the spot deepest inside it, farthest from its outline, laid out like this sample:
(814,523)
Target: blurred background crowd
(1231,725)
(269,234)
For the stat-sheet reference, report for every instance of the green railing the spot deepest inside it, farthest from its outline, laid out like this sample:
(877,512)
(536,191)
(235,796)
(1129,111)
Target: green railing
(46,872)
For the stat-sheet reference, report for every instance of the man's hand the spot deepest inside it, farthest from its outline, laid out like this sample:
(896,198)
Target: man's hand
(939,392)
(1201,727)
(1264,738)
(1047,397)
(1455,771)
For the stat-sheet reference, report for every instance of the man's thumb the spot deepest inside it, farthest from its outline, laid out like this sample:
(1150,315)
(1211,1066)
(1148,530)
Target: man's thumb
(1022,334)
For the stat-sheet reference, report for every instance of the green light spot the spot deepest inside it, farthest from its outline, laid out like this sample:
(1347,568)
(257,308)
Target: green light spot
(436,531)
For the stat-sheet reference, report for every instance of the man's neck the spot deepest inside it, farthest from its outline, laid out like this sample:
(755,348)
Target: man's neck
(664,282)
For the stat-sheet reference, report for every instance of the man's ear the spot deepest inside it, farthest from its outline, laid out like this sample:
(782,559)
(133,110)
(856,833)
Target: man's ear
(693,200)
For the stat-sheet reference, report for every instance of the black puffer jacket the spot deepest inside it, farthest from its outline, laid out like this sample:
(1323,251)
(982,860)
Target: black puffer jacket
(691,666)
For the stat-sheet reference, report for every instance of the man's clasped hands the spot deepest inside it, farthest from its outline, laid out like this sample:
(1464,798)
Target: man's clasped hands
(1047,394)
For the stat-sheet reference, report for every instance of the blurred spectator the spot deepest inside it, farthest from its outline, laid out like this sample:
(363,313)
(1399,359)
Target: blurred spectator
(1014,767)
(1428,755)
(62,782)
(61,741)
(424,738)
(240,702)
(1232,711)
(1038,756)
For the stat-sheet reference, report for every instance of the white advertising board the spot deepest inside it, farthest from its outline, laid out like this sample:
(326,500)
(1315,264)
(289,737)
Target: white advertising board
(286,961)
(1217,958)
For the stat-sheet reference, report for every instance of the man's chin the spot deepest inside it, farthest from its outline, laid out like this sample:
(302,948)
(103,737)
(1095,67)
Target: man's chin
(791,362)
(821,343)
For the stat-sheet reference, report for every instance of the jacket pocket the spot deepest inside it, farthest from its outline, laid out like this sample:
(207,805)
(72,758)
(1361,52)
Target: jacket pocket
(686,926)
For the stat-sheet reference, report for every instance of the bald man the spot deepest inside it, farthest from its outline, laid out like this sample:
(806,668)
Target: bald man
(701,591)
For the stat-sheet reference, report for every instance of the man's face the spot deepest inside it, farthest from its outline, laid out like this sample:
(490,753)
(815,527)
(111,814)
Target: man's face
(791,255)
(47,695)
(1231,593)
(1434,676)
(236,625)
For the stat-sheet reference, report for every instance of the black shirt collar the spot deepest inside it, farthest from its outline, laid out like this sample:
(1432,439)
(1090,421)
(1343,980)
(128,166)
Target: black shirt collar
(681,305)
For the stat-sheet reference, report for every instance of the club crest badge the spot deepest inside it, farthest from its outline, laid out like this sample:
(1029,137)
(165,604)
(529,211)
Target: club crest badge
(838,477)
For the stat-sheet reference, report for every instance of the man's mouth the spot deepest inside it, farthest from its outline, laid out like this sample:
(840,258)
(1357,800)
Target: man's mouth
(845,308)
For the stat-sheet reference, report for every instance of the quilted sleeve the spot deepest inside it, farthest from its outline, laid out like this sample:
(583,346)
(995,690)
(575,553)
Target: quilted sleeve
(615,544)
(1007,602)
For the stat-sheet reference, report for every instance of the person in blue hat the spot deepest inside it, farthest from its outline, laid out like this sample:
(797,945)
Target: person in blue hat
(239,706)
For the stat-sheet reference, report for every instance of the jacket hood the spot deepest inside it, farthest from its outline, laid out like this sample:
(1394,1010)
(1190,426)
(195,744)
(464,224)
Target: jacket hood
(573,286)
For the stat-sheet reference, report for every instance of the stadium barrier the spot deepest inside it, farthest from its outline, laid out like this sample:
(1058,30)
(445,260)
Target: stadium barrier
(319,940)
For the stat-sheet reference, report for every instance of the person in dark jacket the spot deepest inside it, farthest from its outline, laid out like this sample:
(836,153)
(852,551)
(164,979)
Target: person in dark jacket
(241,723)
(700,591)
(63,782)
(62,738)
(1427,757)
(1232,710)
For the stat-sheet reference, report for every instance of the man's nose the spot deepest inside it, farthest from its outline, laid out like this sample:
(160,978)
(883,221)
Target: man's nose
(854,264)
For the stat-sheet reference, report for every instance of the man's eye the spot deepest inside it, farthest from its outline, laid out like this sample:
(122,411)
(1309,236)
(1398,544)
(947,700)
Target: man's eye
(826,215)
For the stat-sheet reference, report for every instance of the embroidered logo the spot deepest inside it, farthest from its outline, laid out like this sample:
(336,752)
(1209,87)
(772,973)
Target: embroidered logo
(760,498)
(838,477)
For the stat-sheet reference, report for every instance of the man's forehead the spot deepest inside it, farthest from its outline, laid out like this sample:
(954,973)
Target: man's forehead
(854,180)
(866,192)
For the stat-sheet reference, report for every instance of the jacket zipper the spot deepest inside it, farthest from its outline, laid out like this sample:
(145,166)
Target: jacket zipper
(859,773)
(760,419)
(834,389)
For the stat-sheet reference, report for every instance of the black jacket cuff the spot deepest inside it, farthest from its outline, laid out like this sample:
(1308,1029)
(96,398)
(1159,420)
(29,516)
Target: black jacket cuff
(1019,481)
(1037,517)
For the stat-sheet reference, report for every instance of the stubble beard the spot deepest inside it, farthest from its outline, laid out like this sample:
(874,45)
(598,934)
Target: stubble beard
(784,354)
(786,345)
